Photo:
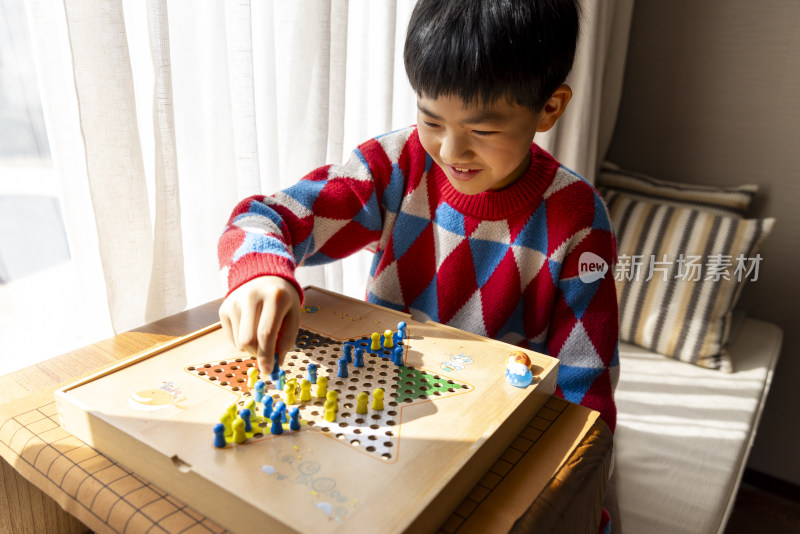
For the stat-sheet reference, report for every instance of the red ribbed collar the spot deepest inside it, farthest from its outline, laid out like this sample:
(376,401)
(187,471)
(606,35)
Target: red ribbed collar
(494,205)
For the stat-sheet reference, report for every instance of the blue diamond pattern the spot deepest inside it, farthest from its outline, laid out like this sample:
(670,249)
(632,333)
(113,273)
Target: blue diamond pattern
(407,230)
(486,256)
(534,234)
(575,381)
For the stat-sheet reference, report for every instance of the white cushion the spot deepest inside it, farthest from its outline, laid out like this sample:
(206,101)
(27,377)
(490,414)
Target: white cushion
(684,433)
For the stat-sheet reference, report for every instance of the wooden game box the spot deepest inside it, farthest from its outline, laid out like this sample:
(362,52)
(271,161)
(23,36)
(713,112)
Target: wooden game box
(448,413)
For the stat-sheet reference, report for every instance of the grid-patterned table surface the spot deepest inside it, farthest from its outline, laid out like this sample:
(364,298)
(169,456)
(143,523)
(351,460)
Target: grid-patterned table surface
(108,498)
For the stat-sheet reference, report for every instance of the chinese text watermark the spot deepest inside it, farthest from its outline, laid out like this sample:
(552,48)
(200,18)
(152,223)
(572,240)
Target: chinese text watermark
(686,268)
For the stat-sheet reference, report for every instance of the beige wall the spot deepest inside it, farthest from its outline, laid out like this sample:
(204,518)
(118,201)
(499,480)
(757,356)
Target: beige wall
(712,95)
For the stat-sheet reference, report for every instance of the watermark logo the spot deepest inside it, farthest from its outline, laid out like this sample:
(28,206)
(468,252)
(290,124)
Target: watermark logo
(686,268)
(591,267)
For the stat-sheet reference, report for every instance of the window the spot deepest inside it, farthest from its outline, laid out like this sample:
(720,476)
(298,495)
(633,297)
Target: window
(39,312)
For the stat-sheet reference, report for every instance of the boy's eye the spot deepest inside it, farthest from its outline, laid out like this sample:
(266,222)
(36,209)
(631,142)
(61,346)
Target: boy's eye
(483,133)
(430,124)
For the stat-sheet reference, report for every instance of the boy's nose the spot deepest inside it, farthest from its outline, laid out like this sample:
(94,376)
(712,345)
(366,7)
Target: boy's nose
(455,149)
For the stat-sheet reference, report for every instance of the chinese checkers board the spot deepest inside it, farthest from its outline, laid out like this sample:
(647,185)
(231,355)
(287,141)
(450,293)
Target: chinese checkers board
(377,422)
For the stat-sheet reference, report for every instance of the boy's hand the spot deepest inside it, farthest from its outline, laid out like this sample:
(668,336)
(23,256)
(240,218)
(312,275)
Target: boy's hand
(262,317)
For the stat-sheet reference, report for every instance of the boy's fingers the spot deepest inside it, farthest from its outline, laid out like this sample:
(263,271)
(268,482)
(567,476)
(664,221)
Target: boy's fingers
(229,319)
(266,335)
(288,333)
(247,337)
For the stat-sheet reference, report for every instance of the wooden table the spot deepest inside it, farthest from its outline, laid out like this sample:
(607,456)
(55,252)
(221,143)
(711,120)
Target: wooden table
(515,495)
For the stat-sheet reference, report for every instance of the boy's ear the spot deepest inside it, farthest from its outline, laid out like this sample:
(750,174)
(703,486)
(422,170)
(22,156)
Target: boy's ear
(554,107)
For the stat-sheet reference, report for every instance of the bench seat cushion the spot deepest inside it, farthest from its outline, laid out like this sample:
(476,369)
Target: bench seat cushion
(684,433)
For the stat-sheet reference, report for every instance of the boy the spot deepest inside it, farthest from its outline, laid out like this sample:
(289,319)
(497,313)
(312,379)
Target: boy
(473,225)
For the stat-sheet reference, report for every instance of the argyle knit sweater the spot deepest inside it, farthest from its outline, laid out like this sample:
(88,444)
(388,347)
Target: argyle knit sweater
(503,264)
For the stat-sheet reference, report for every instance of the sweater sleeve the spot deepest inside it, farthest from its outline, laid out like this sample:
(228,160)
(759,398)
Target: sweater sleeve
(584,326)
(329,214)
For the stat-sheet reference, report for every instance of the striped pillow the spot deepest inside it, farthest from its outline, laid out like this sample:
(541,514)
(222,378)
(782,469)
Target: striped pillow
(720,200)
(679,274)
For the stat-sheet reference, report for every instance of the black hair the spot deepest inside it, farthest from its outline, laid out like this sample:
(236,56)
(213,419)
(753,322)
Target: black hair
(484,50)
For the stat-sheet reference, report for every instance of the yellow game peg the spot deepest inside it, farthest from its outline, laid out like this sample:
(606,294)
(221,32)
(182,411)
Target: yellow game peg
(226,421)
(333,395)
(387,339)
(361,402)
(291,394)
(377,399)
(322,387)
(376,341)
(252,377)
(239,435)
(305,390)
(330,410)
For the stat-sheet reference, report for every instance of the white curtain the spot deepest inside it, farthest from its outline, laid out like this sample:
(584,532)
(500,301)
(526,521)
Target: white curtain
(161,115)
(581,137)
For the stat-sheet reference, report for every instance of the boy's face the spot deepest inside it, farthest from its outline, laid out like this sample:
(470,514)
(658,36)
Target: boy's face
(479,147)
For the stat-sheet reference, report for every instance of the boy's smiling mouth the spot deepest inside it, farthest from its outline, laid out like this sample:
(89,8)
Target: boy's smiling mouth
(462,173)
